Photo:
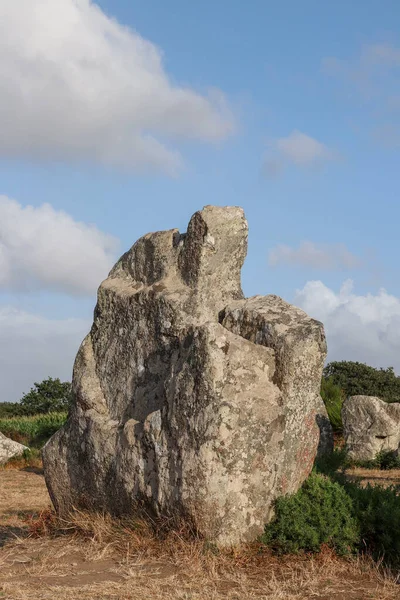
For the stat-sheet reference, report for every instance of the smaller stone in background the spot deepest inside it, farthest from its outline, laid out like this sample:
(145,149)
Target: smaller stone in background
(370,426)
(9,449)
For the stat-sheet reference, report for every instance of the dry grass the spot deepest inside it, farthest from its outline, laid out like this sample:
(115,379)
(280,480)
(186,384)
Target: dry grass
(374,476)
(32,461)
(94,557)
(59,569)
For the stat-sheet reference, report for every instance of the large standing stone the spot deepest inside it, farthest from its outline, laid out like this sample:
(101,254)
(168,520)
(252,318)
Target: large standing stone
(189,398)
(370,426)
(9,449)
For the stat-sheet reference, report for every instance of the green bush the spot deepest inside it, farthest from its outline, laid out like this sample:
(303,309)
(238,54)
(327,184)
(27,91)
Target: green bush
(51,395)
(378,514)
(356,378)
(32,431)
(320,513)
(333,397)
(329,464)
(386,459)
(339,513)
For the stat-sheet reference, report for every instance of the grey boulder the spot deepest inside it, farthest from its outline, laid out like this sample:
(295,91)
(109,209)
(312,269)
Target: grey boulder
(370,426)
(9,449)
(189,400)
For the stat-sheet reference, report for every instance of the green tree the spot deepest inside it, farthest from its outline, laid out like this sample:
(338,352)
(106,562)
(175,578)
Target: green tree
(51,395)
(356,378)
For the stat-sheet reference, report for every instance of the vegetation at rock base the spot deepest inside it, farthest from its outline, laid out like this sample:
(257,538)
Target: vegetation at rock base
(385,460)
(330,510)
(320,513)
(377,510)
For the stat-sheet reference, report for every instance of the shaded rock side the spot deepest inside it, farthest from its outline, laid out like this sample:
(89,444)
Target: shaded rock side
(189,399)
(9,449)
(370,426)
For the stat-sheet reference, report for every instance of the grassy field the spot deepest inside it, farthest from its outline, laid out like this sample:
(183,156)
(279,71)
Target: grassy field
(32,431)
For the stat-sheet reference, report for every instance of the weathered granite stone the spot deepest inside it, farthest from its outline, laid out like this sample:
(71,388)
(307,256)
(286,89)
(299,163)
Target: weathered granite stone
(299,347)
(9,449)
(190,399)
(370,426)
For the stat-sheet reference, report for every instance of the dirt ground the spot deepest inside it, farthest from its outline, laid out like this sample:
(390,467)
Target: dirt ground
(96,567)
(374,476)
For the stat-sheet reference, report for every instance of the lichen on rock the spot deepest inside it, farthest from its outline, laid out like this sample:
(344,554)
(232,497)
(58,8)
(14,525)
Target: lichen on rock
(188,398)
(370,426)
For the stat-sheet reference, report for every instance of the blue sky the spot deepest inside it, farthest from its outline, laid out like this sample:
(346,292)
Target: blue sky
(289,109)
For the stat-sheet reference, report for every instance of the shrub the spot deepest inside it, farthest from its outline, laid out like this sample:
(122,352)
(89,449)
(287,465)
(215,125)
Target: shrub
(386,459)
(329,464)
(32,431)
(51,395)
(340,514)
(378,513)
(333,397)
(320,513)
(356,378)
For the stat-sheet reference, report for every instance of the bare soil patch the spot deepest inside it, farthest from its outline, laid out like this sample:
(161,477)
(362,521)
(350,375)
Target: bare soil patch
(106,561)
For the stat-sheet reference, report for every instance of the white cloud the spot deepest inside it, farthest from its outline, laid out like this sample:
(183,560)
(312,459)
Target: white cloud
(33,348)
(298,149)
(41,248)
(361,328)
(316,256)
(75,84)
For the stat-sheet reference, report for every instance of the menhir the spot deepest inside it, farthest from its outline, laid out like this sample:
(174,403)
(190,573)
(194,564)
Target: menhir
(190,400)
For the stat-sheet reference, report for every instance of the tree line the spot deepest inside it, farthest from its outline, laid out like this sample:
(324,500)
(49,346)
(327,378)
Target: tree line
(50,395)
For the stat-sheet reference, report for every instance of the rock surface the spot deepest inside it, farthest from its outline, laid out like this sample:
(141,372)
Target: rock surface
(370,426)
(9,449)
(189,399)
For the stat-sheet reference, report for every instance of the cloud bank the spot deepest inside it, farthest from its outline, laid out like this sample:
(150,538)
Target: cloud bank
(360,328)
(77,85)
(45,249)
